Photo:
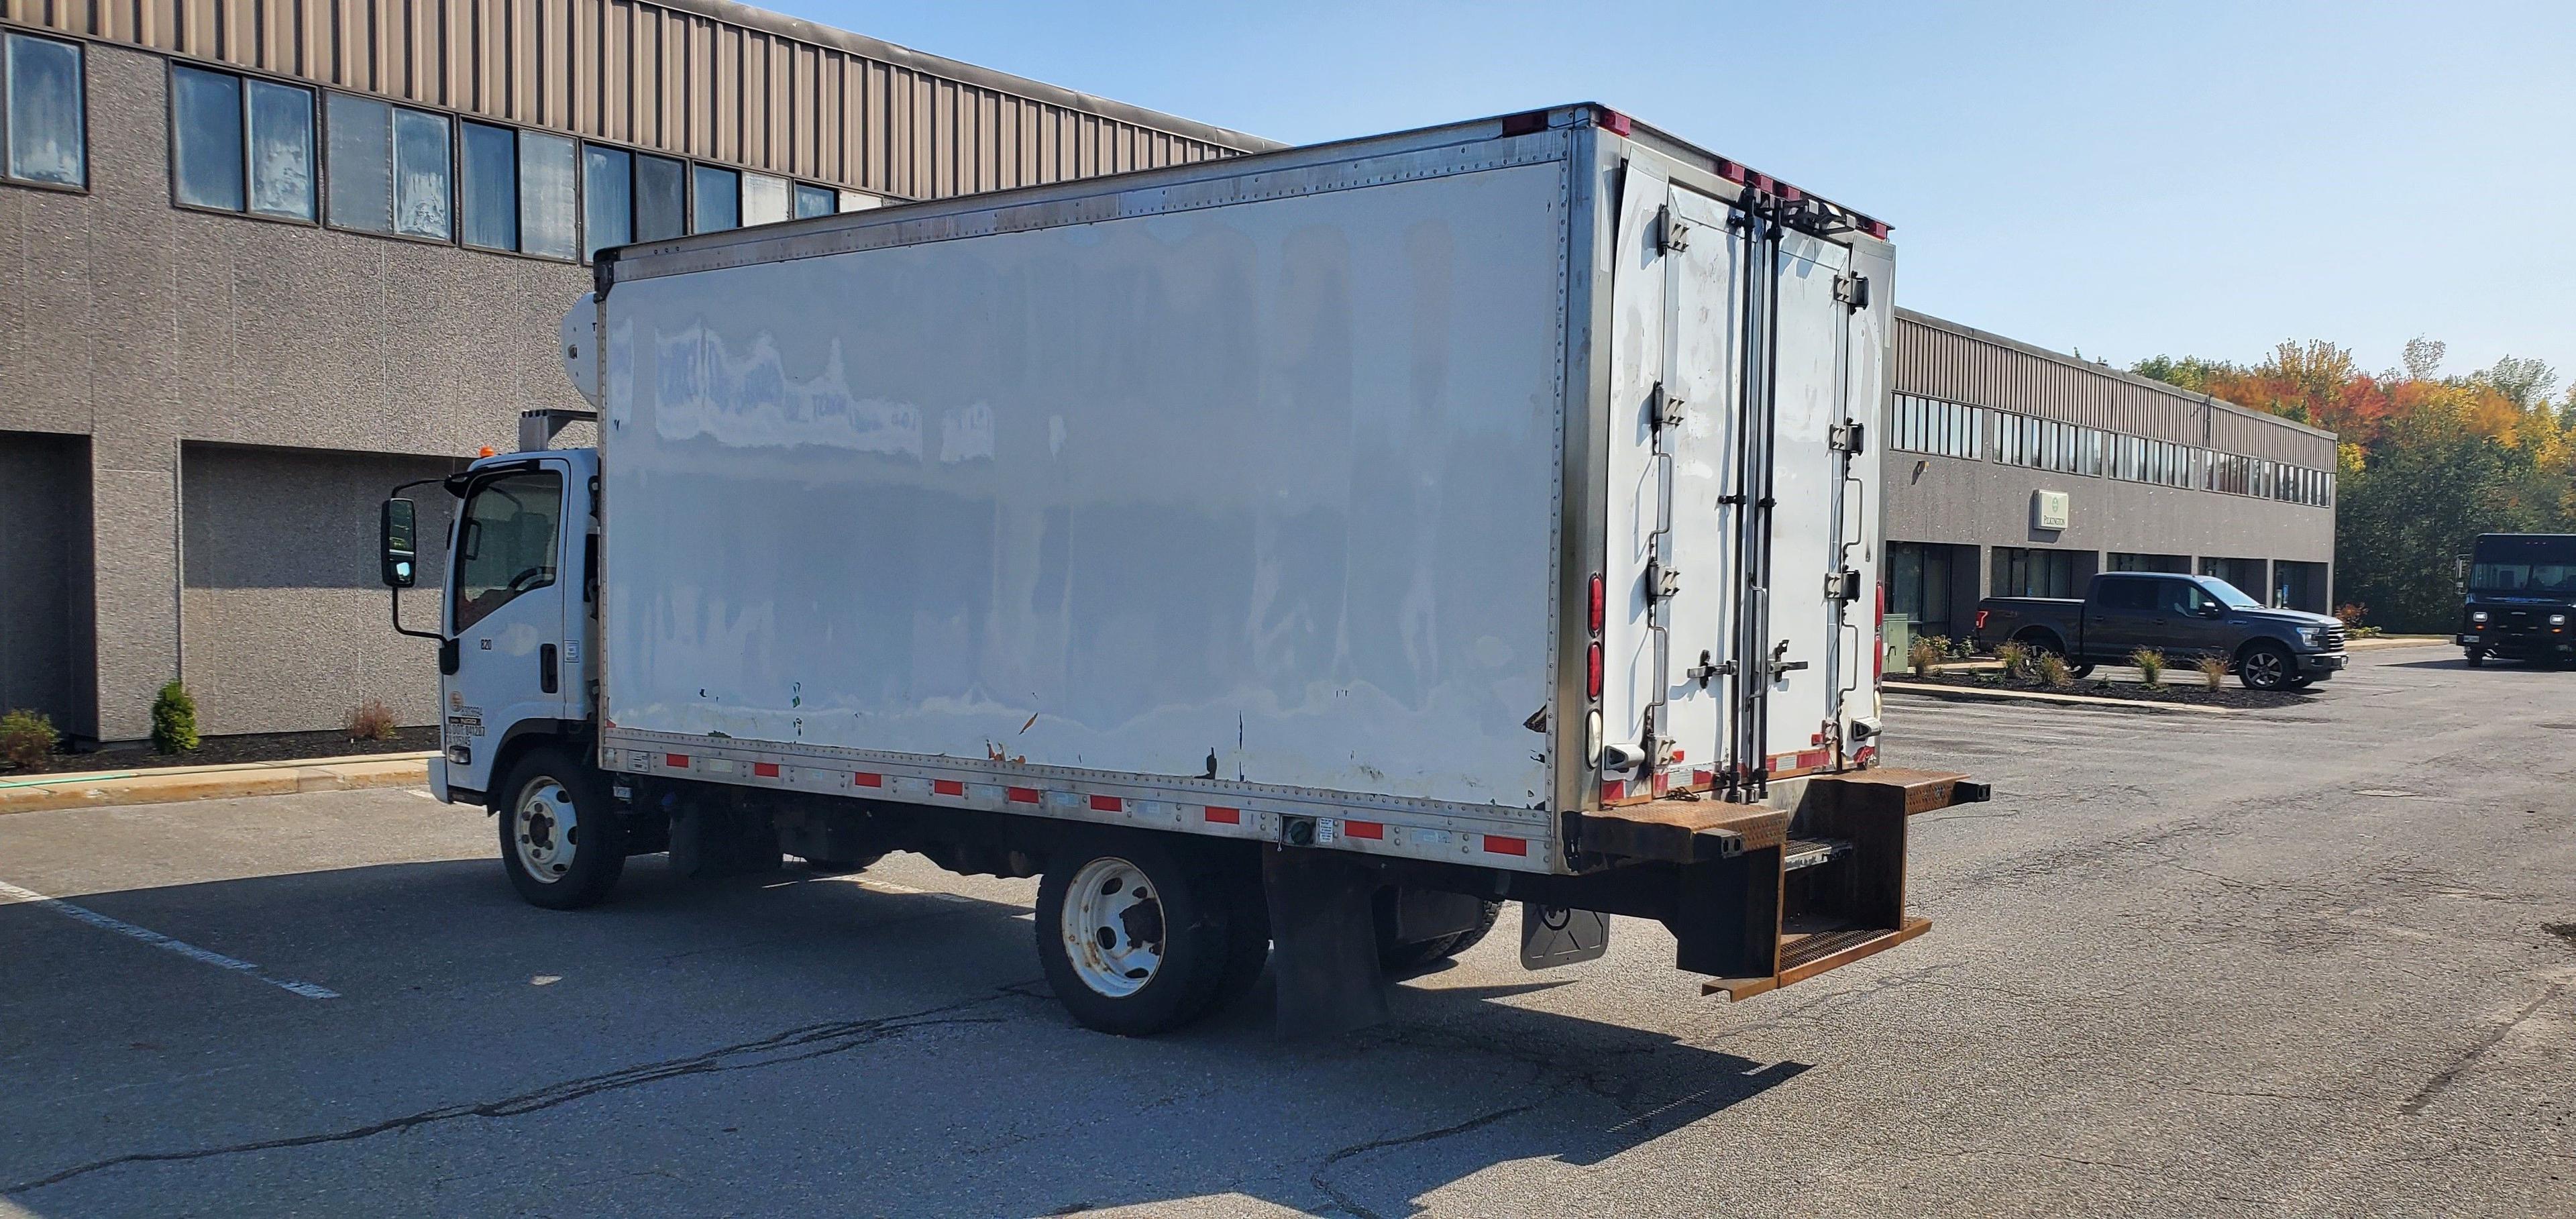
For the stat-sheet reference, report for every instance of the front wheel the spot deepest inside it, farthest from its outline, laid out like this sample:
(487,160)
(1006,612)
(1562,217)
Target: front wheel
(1133,939)
(2267,666)
(560,842)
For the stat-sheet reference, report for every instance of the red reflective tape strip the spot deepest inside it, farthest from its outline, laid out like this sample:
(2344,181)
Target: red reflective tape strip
(948,787)
(1814,758)
(1108,804)
(1703,778)
(1225,816)
(1663,783)
(865,779)
(1364,829)
(1614,789)
(1500,845)
(1024,795)
(676,761)
(764,770)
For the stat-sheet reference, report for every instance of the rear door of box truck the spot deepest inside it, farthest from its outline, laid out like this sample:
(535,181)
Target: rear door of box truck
(1741,351)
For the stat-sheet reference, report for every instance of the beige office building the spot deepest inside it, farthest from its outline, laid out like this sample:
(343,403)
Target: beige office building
(261,260)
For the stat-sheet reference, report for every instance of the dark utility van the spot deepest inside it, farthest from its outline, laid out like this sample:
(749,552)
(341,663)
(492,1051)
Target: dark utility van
(2521,593)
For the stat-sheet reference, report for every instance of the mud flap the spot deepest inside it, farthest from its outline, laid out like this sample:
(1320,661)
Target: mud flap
(1555,935)
(1323,931)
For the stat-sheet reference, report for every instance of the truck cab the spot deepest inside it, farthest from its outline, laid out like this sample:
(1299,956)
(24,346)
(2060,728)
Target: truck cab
(2519,598)
(516,613)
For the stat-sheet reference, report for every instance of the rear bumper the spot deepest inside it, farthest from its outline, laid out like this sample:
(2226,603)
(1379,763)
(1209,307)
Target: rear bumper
(1759,898)
(2526,644)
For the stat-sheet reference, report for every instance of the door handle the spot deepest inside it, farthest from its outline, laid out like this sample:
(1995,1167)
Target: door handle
(546,678)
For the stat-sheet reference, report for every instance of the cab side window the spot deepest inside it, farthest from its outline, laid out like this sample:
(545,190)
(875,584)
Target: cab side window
(2128,596)
(506,542)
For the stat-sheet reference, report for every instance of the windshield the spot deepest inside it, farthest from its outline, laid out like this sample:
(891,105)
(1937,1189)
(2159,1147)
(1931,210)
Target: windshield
(2228,594)
(2525,564)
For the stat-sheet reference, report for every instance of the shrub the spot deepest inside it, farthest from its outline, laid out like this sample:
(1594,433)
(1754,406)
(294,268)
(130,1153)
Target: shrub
(2213,670)
(2053,670)
(174,720)
(371,721)
(2016,658)
(27,738)
(1924,657)
(2150,662)
(2352,612)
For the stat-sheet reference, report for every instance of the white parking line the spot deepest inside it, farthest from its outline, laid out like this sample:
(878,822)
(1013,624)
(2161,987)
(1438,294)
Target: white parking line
(10,893)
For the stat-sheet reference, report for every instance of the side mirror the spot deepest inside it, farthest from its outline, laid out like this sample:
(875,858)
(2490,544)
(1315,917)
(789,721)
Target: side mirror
(398,544)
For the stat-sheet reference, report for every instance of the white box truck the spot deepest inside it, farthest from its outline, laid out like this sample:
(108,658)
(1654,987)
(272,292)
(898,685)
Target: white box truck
(1288,558)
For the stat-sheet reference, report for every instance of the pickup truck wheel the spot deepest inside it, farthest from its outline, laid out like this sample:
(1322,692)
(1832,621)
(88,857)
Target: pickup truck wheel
(1133,940)
(2079,672)
(562,845)
(2266,666)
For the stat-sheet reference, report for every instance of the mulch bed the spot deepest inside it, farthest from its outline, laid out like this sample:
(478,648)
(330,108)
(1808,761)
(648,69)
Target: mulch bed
(224,750)
(2232,694)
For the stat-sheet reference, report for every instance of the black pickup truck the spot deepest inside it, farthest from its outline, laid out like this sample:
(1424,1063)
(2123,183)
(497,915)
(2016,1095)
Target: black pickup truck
(2185,617)
(2521,601)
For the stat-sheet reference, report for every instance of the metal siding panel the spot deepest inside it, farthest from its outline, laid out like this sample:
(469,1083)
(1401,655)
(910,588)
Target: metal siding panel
(527,73)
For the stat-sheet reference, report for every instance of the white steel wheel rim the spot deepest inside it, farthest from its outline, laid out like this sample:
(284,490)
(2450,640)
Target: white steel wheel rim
(1113,927)
(545,829)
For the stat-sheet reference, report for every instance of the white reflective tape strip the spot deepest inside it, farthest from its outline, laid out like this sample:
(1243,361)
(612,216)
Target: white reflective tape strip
(11,893)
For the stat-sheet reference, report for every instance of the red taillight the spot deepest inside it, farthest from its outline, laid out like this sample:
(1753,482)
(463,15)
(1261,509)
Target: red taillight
(1592,676)
(1600,604)
(1612,121)
(1981,618)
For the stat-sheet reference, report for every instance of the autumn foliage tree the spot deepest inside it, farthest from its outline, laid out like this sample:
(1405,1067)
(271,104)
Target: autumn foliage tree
(2427,461)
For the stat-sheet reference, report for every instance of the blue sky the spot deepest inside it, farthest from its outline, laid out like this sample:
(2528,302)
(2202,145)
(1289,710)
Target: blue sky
(2125,179)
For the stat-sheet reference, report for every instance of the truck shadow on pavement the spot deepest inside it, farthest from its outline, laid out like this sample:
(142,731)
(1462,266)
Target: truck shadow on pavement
(789,1032)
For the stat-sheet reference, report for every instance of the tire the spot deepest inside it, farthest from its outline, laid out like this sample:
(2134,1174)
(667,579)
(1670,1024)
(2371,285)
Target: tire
(2477,657)
(2266,666)
(1124,965)
(561,843)
(2079,672)
(1401,958)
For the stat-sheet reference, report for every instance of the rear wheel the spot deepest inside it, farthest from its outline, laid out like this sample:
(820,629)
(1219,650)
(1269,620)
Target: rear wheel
(2477,657)
(1133,939)
(562,845)
(2266,666)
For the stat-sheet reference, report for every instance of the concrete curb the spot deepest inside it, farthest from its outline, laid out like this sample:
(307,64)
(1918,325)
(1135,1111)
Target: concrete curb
(2398,641)
(105,789)
(1973,693)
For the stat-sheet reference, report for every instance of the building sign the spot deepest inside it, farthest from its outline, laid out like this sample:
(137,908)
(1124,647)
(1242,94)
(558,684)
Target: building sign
(2048,509)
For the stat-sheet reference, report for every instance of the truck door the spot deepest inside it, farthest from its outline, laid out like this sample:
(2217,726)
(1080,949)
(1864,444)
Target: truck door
(1805,394)
(1676,430)
(505,611)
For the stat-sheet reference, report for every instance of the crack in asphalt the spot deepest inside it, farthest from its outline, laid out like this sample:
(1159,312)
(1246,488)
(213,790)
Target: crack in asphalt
(1350,1206)
(794,1045)
(2446,1076)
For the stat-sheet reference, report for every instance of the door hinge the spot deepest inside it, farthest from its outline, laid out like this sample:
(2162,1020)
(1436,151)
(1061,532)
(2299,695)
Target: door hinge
(1847,437)
(1852,290)
(1672,233)
(1730,499)
(1662,583)
(1842,585)
(1668,407)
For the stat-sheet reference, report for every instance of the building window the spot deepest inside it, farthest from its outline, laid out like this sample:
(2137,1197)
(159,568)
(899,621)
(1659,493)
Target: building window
(1928,425)
(1918,585)
(814,201)
(856,201)
(716,203)
(239,144)
(549,220)
(2022,571)
(630,196)
(2176,564)
(45,135)
(389,168)
(607,198)
(764,199)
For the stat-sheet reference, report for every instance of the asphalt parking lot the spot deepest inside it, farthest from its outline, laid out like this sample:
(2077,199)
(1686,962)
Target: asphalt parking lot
(2319,961)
